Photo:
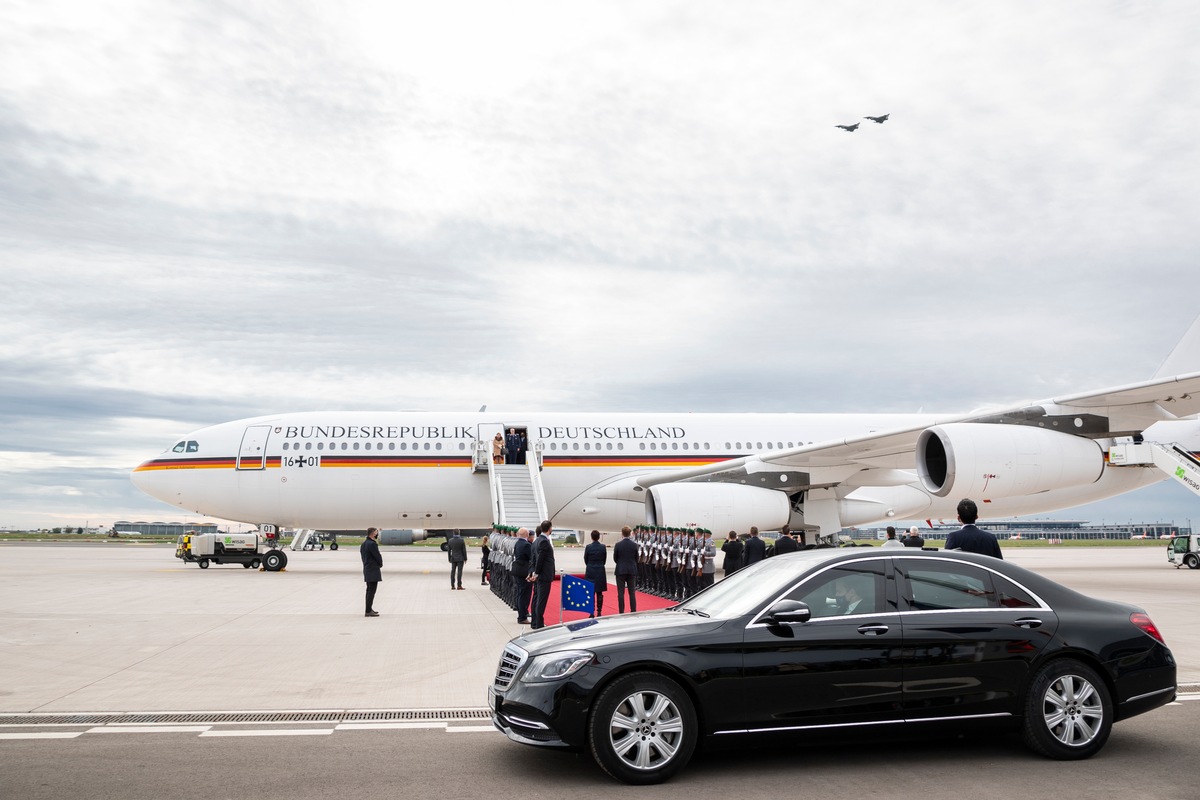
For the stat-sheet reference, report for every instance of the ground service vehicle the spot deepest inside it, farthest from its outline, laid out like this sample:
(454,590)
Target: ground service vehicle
(859,641)
(1184,550)
(229,548)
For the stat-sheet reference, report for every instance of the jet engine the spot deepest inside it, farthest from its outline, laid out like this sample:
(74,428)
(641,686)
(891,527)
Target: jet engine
(989,461)
(717,506)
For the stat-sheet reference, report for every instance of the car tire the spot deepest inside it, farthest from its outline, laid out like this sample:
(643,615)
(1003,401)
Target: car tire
(1192,561)
(643,728)
(1068,711)
(202,563)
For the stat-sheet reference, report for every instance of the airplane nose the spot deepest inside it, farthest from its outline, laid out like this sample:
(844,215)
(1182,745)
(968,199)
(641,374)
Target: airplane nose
(144,477)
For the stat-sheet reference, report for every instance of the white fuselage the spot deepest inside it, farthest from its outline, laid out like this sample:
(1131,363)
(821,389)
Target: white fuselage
(347,470)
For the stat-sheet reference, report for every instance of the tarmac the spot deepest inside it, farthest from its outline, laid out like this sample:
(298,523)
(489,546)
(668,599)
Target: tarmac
(122,628)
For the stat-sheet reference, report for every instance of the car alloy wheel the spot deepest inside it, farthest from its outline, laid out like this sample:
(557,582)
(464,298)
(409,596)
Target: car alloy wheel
(643,729)
(1068,711)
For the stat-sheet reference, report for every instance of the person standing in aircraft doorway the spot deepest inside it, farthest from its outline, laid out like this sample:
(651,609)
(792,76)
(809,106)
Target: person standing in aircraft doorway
(498,449)
(372,567)
(512,443)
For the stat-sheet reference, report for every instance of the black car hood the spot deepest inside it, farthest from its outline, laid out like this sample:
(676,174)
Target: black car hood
(615,630)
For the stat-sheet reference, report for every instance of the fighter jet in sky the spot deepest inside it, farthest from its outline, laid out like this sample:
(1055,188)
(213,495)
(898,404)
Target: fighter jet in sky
(851,128)
(880,120)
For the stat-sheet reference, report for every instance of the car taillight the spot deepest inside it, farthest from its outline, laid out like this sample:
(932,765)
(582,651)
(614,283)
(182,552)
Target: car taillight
(1143,622)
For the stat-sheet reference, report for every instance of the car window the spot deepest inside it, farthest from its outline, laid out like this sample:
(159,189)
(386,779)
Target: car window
(1009,595)
(849,589)
(939,587)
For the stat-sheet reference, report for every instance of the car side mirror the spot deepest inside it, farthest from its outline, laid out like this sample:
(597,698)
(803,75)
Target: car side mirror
(788,612)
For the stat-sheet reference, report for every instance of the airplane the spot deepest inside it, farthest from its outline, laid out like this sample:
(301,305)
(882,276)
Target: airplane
(849,128)
(721,471)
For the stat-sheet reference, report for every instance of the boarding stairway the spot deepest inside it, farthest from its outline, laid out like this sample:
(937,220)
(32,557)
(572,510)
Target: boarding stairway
(303,537)
(518,499)
(1172,459)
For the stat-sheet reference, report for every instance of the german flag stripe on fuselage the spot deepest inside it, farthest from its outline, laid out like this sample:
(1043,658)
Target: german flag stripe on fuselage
(275,462)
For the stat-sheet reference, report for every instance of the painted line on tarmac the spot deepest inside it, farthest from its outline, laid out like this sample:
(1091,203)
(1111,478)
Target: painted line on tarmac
(386,726)
(42,735)
(151,729)
(282,732)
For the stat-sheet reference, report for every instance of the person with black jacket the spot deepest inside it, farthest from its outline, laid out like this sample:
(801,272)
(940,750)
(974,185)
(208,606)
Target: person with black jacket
(541,573)
(733,554)
(372,567)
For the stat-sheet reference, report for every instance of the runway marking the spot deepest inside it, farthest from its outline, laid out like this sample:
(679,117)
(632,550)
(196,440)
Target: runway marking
(282,732)
(386,726)
(45,735)
(151,729)
(471,729)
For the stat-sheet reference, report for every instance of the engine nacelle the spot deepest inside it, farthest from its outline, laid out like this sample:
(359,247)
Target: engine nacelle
(717,506)
(976,460)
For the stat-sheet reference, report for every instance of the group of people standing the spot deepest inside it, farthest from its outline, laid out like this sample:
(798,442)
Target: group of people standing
(509,448)
(521,571)
(674,563)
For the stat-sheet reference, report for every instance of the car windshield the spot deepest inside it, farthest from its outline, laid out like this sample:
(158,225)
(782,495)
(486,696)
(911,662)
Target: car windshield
(748,588)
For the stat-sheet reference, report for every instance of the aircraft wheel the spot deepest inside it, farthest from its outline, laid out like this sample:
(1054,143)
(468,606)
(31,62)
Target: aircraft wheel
(275,560)
(202,563)
(1192,560)
(333,545)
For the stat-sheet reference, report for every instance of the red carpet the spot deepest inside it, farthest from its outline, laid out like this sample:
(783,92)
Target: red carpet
(645,602)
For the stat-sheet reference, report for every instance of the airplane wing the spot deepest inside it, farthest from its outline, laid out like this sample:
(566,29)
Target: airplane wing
(885,458)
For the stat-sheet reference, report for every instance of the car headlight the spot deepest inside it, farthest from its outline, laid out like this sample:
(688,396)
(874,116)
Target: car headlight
(555,666)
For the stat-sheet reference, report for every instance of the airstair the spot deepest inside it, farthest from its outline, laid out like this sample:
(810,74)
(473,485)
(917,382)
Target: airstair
(1172,459)
(517,496)
(304,537)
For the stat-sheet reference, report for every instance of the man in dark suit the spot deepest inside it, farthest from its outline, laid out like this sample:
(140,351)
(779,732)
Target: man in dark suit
(457,552)
(512,444)
(522,588)
(595,556)
(542,573)
(785,543)
(914,538)
(756,548)
(372,567)
(969,538)
(733,554)
(625,557)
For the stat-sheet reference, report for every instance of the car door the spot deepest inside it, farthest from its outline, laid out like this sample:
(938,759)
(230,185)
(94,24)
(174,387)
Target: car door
(970,636)
(842,667)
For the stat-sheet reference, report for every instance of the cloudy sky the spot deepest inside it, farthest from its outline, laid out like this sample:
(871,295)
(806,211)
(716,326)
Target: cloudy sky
(215,210)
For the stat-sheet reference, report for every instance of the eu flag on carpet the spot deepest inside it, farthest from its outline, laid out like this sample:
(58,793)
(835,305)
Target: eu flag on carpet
(578,595)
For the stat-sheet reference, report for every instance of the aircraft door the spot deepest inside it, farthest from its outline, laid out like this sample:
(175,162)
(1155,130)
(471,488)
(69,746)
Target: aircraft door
(253,452)
(485,432)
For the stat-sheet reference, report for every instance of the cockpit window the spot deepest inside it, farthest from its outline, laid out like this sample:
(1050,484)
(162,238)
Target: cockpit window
(193,446)
(179,447)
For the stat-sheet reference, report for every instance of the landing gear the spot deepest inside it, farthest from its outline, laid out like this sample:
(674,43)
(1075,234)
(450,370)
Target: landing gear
(274,560)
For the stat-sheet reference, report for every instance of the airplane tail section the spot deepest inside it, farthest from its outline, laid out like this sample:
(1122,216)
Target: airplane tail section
(1185,357)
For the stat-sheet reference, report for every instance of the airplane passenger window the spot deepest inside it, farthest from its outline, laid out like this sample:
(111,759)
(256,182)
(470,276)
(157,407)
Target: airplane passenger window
(760,445)
(439,446)
(770,446)
(391,445)
(675,445)
(427,445)
(609,446)
(308,445)
(286,445)
(779,445)
(728,446)
(192,447)
(620,445)
(574,445)
(641,445)
(320,445)
(367,446)
(404,445)
(356,445)
(685,446)
(178,448)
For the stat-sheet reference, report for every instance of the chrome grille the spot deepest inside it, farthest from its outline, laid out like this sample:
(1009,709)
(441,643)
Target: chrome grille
(510,662)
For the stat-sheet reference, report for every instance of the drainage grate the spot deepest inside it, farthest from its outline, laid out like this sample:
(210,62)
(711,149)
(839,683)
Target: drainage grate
(234,717)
